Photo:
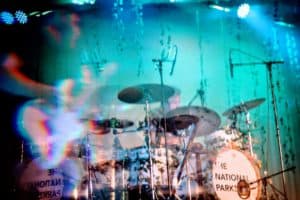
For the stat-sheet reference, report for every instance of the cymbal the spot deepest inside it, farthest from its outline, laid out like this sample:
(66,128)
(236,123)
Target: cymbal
(243,107)
(114,123)
(139,94)
(100,127)
(180,122)
(205,119)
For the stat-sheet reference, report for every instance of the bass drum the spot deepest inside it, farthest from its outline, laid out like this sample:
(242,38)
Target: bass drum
(222,173)
(38,182)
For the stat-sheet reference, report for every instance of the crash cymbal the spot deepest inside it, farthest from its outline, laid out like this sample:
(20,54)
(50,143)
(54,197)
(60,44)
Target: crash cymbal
(139,94)
(243,107)
(205,119)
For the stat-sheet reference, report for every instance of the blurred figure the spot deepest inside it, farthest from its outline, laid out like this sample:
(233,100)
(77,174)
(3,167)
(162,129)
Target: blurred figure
(49,126)
(15,82)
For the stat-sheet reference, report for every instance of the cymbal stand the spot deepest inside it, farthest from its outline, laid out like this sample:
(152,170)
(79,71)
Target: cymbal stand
(200,93)
(148,141)
(248,122)
(88,166)
(186,152)
(185,163)
(116,147)
(159,64)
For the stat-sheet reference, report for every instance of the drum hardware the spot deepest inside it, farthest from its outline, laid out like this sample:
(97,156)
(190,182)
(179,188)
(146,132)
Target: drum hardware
(148,143)
(244,187)
(117,145)
(186,153)
(248,122)
(200,93)
(89,168)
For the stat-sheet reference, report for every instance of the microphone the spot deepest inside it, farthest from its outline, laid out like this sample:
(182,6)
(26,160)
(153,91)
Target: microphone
(230,65)
(174,61)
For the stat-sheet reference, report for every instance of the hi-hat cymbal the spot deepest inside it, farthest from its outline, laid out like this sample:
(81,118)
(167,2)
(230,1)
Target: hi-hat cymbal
(243,107)
(205,119)
(114,123)
(100,127)
(139,94)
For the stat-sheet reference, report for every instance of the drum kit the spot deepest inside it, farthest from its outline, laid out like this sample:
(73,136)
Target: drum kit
(182,154)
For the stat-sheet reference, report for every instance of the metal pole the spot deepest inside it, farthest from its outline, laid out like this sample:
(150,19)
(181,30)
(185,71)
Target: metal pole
(149,149)
(269,67)
(165,124)
(88,157)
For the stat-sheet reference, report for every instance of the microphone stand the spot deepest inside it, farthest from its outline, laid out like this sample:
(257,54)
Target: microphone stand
(269,65)
(159,63)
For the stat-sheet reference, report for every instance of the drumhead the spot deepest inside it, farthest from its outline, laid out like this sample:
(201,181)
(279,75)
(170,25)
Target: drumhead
(229,168)
(40,182)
